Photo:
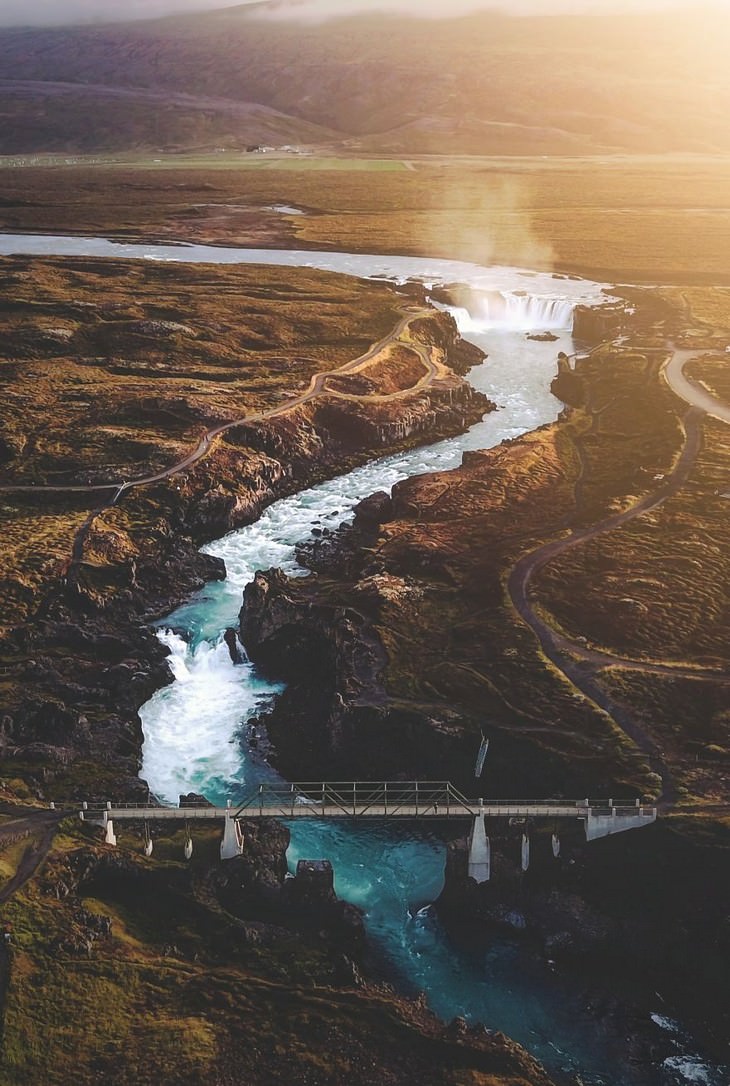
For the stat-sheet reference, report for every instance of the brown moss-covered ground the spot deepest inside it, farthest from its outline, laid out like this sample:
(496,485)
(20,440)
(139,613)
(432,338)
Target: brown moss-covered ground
(139,975)
(113,370)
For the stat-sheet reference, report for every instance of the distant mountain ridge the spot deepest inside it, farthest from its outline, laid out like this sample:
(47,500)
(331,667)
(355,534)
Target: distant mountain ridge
(482,84)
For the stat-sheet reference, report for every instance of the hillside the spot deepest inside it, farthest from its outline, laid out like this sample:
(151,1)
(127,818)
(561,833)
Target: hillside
(486,84)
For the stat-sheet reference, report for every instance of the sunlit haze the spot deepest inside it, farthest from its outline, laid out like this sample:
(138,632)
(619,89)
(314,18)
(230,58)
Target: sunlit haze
(39,12)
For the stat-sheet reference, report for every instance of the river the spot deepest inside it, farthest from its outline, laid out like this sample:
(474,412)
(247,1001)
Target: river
(195,730)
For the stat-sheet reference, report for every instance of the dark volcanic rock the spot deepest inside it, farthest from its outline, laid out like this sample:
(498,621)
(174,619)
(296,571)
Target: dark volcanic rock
(334,717)
(594,324)
(255,886)
(375,509)
(193,799)
(311,896)
(250,885)
(612,905)
(568,386)
(231,639)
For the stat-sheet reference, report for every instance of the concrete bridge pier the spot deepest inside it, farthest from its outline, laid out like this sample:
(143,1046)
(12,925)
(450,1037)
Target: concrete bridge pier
(525,857)
(232,843)
(109,835)
(556,846)
(480,865)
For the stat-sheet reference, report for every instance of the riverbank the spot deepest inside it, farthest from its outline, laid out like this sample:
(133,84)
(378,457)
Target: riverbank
(637,219)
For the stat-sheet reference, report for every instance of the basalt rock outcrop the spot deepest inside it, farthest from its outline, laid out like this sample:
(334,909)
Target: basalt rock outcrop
(256,886)
(568,386)
(596,324)
(335,715)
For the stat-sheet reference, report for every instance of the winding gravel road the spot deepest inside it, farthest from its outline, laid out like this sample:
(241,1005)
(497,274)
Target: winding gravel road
(432,371)
(317,387)
(579,663)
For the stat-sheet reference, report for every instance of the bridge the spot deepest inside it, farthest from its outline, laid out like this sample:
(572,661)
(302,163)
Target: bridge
(382,800)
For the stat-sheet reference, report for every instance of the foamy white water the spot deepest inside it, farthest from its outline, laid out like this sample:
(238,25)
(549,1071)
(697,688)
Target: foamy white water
(514,312)
(692,1069)
(202,716)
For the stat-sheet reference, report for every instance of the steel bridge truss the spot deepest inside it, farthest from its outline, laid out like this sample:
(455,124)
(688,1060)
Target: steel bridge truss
(354,799)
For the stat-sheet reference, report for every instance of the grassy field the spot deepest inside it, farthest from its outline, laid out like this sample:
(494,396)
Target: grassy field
(664,220)
(212,160)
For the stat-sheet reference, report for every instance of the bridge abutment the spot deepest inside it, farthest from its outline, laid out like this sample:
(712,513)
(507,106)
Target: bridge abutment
(603,825)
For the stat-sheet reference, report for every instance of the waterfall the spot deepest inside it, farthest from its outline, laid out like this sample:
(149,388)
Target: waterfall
(200,716)
(513,311)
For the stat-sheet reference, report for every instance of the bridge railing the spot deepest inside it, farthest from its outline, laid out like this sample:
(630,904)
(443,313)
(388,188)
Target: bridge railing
(357,797)
(393,797)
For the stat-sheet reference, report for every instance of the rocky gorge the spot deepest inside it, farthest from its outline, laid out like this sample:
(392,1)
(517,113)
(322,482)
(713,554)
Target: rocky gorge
(237,973)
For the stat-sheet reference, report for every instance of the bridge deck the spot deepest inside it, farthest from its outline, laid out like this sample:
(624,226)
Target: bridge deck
(364,810)
(373,799)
